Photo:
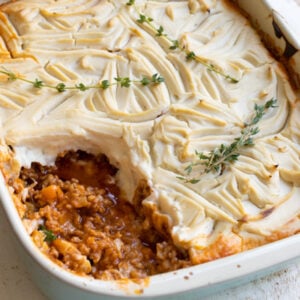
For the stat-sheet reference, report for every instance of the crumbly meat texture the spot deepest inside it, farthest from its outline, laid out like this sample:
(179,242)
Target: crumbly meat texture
(94,231)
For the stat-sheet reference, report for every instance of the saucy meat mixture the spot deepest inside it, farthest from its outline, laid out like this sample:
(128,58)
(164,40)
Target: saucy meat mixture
(84,225)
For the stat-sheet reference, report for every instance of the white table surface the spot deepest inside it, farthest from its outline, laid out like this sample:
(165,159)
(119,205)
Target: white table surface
(15,283)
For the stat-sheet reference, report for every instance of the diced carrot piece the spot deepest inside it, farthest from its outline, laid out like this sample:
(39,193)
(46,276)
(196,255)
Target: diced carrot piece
(51,193)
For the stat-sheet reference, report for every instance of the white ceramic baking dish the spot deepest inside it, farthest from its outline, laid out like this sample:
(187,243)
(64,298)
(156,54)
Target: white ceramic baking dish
(279,25)
(193,282)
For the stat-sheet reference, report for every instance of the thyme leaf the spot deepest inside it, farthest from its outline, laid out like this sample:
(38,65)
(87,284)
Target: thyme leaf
(130,2)
(217,159)
(38,83)
(61,87)
(81,87)
(105,84)
(49,235)
(156,78)
(11,76)
(175,45)
(145,81)
(144,19)
(190,56)
(160,31)
(124,81)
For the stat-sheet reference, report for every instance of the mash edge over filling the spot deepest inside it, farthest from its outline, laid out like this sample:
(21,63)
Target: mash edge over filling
(75,214)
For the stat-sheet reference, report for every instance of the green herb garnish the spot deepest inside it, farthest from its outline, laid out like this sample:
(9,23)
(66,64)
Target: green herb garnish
(130,2)
(105,84)
(38,84)
(160,31)
(156,78)
(61,87)
(49,235)
(144,19)
(124,81)
(190,55)
(175,44)
(217,159)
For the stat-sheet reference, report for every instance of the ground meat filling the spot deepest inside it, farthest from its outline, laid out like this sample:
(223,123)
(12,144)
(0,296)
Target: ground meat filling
(86,226)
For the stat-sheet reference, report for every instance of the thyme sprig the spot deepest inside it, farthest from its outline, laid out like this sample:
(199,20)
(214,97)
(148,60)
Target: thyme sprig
(175,44)
(217,159)
(104,84)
